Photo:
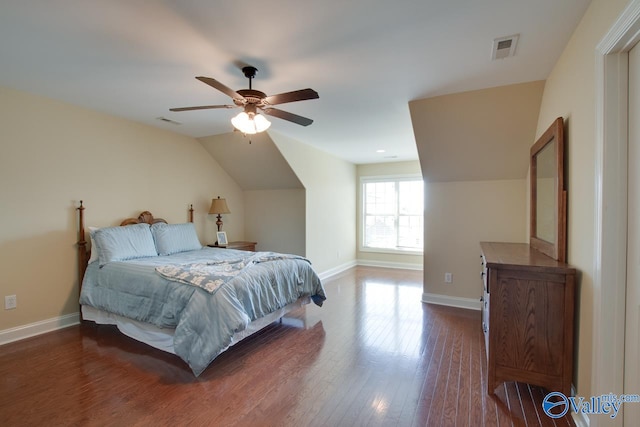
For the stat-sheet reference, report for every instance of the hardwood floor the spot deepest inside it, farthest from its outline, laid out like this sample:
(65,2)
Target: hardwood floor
(374,355)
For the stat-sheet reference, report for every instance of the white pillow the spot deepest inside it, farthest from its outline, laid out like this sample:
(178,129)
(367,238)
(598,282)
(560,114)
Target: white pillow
(94,248)
(174,238)
(124,242)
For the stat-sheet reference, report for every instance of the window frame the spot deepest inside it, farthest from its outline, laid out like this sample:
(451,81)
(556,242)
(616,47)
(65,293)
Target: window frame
(385,178)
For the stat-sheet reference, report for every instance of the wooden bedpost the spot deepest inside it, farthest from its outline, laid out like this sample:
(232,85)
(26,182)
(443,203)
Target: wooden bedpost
(190,213)
(83,256)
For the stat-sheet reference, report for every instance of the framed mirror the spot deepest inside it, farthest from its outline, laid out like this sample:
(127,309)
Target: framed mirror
(548,197)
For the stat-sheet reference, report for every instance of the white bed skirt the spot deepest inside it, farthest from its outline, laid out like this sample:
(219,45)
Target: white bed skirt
(162,338)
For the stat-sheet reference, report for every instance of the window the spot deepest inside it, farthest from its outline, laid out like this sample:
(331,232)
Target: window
(393,214)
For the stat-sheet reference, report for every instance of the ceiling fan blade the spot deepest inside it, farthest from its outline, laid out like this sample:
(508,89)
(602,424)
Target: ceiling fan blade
(222,88)
(296,95)
(303,121)
(202,107)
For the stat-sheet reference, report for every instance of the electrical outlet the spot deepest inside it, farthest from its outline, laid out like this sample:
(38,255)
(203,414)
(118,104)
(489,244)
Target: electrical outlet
(448,278)
(10,302)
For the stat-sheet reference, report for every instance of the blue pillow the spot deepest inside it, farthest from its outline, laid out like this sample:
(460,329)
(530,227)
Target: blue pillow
(174,238)
(124,242)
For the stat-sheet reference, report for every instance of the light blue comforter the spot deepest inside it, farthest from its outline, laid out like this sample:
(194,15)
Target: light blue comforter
(204,322)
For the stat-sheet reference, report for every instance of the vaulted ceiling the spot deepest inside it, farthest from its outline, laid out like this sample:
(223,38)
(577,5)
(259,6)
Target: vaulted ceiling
(366,58)
(255,162)
(477,135)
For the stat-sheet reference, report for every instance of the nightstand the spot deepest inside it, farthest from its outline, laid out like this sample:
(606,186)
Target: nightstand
(242,246)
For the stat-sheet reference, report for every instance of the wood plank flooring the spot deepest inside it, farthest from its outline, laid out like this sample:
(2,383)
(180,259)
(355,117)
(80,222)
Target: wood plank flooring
(374,355)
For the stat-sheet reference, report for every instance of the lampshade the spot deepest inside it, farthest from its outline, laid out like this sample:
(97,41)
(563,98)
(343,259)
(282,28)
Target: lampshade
(250,123)
(219,206)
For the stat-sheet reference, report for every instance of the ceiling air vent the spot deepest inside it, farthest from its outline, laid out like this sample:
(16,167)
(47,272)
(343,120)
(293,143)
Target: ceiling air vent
(164,119)
(504,47)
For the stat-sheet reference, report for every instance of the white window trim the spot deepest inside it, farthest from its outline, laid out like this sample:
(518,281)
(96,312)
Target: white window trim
(383,178)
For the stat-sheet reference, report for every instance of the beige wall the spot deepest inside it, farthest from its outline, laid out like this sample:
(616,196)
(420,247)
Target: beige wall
(330,185)
(460,215)
(274,197)
(570,93)
(276,220)
(474,151)
(54,154)
(384,169)
(480,135)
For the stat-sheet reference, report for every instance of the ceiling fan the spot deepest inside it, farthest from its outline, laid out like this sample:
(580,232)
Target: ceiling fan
(251,100)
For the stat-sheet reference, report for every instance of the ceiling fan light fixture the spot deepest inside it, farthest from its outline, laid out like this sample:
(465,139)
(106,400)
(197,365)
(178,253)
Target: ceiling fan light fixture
(261,122)
(250,123)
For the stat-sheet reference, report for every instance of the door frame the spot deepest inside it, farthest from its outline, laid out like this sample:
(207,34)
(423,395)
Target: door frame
(610,255)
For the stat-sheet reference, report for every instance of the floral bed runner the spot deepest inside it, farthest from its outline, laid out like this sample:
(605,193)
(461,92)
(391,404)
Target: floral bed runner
(211,275)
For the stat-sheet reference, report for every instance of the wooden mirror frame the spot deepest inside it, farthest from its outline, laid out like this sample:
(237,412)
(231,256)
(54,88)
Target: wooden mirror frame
(558,248)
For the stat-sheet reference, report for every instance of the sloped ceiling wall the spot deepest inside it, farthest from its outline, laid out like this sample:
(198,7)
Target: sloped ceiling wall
(477,135)
(474,156)
(274,197)
(254,162)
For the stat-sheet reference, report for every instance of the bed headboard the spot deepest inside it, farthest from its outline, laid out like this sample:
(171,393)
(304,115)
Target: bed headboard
(144,217)
(84,254)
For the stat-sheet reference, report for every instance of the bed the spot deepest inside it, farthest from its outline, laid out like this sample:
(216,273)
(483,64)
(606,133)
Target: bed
(159,285)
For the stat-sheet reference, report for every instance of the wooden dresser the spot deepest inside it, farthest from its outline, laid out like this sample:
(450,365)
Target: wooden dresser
(527,317)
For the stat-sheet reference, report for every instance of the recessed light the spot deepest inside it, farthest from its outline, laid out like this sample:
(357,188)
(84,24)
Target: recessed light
(380,151)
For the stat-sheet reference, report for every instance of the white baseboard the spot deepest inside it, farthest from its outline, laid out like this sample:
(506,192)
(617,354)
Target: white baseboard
(336,270)
(469,303)
(387,264)
(367,263)
(37,328)
(581,420)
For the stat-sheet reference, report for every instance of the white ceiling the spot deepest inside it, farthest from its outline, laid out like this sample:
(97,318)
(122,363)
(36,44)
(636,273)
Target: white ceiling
(366,58)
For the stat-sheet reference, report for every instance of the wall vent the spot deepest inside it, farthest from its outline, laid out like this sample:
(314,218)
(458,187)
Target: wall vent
(164,119)
(504,47)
